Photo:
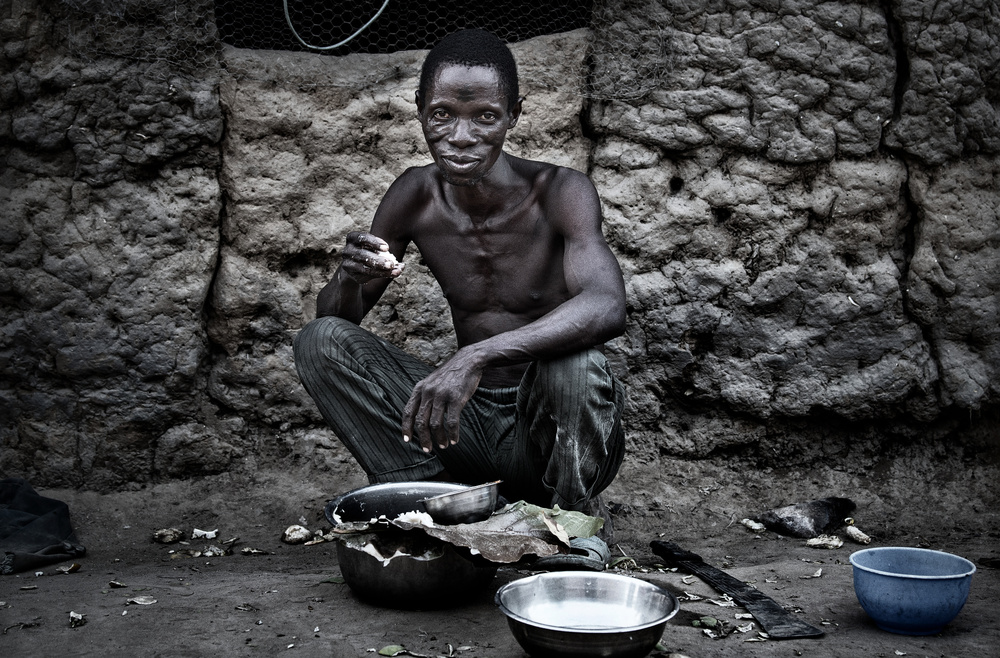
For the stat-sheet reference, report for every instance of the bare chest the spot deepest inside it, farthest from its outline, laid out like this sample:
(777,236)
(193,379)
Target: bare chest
(510,266)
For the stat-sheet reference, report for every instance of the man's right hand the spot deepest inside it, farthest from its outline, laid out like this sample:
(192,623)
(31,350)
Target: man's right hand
(432,414)
(367,257)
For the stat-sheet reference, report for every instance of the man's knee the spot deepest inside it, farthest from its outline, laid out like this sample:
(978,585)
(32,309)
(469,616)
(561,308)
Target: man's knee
(322,332)
(586,373)
(318,342)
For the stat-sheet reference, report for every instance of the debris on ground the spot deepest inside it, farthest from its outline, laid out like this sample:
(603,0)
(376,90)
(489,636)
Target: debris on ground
(724,601)
(712,627)
(204,534)
(624,563)
(168,535)
(208,551)
(141,600)
(397,650)
(830,542)
(807,520)
(754,525)
(854,534)
(296,534)
(76,619)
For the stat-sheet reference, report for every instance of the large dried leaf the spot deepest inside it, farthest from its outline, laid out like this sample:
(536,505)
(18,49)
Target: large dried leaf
(517,530)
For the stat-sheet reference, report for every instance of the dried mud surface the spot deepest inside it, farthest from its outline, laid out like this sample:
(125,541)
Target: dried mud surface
(285,602)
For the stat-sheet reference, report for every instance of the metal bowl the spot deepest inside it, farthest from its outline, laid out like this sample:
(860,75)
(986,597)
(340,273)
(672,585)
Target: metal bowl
(912,591)
(581,614)
(390,499)
(469,505)
(444,575)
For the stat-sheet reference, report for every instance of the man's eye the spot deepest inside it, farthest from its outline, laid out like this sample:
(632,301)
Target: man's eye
(488,117)
(440,114)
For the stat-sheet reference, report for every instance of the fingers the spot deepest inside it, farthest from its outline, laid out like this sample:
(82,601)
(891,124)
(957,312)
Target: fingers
(414,423)
(430,421)
(367,257)
(372,265)
(367,241)
(451,424)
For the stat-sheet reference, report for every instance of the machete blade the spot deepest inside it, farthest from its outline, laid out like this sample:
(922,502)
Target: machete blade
(778,623)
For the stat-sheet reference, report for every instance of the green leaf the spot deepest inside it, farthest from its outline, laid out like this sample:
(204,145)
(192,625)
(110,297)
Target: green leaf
(624,562)
(391,650)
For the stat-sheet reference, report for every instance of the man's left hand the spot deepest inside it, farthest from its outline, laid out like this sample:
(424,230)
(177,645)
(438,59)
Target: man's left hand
(431,415)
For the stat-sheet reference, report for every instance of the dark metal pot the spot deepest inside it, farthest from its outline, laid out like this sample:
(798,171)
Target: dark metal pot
(443,576)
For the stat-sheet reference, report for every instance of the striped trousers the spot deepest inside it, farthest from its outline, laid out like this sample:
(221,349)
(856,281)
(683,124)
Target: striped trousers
(555,439)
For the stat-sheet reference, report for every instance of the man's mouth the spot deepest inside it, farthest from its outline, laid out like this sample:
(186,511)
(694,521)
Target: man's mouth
(460,163)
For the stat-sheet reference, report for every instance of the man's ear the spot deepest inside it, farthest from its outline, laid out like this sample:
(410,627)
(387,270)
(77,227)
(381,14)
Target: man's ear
(420,103)
(515,112)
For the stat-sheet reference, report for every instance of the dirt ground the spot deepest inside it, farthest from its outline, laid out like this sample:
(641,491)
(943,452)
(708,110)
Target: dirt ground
(290,600)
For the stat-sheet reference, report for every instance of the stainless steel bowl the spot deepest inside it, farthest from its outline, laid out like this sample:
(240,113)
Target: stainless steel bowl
(448,576)
(390,499)
(469,505)
(582,614)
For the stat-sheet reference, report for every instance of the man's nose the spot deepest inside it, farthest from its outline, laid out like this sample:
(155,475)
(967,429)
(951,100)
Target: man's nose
(462,134)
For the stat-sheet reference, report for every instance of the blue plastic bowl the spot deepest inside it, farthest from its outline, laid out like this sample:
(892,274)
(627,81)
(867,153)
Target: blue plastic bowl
(913,591)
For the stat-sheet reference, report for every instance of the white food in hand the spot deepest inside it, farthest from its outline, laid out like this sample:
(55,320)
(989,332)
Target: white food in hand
(389,259)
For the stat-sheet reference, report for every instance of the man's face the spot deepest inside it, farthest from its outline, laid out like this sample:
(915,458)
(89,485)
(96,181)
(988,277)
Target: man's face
(465,120)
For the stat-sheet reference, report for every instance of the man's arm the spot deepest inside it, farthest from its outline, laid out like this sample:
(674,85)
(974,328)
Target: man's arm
(594,313)
(369,260)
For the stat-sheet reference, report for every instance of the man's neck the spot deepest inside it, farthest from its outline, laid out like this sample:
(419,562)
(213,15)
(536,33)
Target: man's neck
(491,194)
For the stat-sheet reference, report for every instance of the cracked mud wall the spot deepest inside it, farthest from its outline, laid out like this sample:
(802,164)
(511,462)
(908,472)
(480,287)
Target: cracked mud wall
(804,202)
(110,206)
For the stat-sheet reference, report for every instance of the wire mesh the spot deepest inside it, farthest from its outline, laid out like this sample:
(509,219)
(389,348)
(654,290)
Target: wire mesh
(404,25)
(629,57)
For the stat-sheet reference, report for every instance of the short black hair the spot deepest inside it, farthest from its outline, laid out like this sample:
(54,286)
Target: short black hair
(473,47)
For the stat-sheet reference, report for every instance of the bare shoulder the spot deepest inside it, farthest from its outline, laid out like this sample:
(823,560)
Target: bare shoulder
(569,183)
(414,182)
(554,176)
(568,196)
(411,191)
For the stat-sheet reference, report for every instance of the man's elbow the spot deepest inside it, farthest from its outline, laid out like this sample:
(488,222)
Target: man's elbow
(324,306)
(612,319)
(617,324)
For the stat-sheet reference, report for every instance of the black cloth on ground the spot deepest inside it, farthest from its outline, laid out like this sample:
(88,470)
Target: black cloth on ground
(34,530)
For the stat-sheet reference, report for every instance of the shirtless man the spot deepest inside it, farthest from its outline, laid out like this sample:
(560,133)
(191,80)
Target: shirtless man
(534,291)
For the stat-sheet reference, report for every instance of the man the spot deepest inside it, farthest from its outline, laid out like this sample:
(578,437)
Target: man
(533,288)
